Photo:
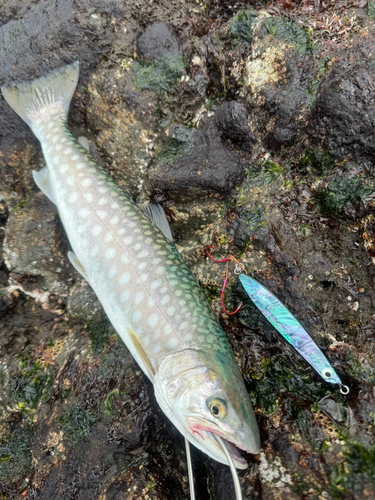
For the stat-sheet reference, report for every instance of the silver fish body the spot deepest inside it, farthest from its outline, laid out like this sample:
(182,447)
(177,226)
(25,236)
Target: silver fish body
(149,294)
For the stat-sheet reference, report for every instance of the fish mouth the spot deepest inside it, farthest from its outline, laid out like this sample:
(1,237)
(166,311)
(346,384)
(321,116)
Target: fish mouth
(206,436)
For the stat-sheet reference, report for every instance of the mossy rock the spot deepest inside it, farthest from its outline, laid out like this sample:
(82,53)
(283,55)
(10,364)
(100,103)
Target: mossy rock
(291,33)
(241,26)
(161,74)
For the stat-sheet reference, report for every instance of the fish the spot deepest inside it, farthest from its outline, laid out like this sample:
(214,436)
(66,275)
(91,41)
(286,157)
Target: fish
(127,254)
(292,331)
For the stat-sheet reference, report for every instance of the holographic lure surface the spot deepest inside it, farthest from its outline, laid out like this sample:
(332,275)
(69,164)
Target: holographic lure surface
(292,331)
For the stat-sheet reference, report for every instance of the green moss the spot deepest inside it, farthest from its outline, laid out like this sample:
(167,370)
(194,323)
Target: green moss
(109,404)
(31,383)
(364,370)
(339,193)
(21,204)
(161,74)
(241,25)
(254,217)
(15,455)
(304,230)
(272,171)
(371,10)
(99,333)
(290,32)
(77,423)
(357,473)
(279,381)
(177,146)
(321,162)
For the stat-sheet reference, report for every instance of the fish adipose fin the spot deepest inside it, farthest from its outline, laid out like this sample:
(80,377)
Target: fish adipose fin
(156,214)
(76,263)
(142,354)
(41,179)
(47,95)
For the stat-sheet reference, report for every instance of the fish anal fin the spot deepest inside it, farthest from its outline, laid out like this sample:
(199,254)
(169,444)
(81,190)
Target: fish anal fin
(141,352)
(76,263)
(156,214)
(42,180)
(84,142)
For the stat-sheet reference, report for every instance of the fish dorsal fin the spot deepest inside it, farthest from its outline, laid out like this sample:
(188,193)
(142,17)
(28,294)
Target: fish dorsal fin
(76,263)
(156,214)
(42,180)
(141,353)
(84,142)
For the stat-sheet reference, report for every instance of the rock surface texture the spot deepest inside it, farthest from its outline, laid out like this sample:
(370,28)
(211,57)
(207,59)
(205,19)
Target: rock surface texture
(254,129)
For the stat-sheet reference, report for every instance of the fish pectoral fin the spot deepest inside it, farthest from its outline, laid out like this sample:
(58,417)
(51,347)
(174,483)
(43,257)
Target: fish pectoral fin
(76,263)
(84,142)
(141,353)
(156,214)
(42,180)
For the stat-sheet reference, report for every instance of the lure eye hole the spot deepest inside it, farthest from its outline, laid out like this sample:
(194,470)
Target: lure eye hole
(218,408)
(327,373)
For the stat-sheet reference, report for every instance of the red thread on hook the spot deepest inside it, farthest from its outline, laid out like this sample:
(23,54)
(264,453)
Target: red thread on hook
(229,258)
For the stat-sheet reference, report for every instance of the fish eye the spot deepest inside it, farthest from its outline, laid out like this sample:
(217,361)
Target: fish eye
(218,408)
(327,373)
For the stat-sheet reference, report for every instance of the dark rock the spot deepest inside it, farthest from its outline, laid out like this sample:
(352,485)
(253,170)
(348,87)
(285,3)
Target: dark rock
(157,41)
(201,162)
(343,114)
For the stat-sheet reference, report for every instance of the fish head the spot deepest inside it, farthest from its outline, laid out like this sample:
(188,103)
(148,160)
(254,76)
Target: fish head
(204,395)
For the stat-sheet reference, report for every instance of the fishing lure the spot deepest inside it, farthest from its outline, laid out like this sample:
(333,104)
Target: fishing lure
(284,322)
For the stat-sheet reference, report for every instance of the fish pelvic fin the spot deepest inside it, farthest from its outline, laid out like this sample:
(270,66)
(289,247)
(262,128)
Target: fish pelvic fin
(50,94)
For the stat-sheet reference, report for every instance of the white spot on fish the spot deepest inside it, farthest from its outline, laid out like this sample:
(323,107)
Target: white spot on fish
(157,348)
(146,341)
(102,201)
(157,334)
(144,277)
(112,272)
(125,296)
(121,231)
(170,310)
(127,240)
(153,320)
(160,270)
(94,251)
(67,151)
(96,230)
(165,299)
(143,254)
(124,258)
(155,284)
(73,197)
(102,190)
(139,296)
(108,237)
(83,212)
(142,266)
(88,197)
(63,168)
(79,166)
(115,205)
(137,247)
(114,220)
(86,182)
(101,214)
(75,157)
(172,343)
(58,147)
(110,253)
(124,278)
(137,315)
(70,181)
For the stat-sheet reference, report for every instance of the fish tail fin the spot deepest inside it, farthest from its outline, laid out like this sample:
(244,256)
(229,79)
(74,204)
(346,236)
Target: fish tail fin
(48,95)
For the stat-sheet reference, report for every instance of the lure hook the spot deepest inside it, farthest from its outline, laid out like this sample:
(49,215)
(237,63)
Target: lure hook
(238,270)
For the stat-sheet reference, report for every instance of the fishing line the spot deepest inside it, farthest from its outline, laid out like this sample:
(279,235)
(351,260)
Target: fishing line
(190,469)
(237,486)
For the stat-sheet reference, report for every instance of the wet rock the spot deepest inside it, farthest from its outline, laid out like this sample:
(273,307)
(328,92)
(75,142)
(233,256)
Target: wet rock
(157,41)
(32,246)
(278,75)
(201,161)
(342,116)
